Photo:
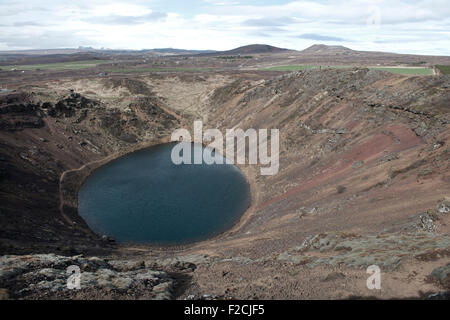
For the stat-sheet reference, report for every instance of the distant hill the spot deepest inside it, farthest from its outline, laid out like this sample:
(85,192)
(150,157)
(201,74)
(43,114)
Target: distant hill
(252,49)
(324,49)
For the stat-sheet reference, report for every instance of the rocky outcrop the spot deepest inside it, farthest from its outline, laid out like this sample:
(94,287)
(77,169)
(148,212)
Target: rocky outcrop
(67,107)
(143,116)
(443,206)
(442,274)
(18,112)
(48,275)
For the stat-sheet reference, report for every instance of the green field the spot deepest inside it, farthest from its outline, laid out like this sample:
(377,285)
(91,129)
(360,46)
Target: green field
(399,70)
(444,69)
(160,70)
(73,65)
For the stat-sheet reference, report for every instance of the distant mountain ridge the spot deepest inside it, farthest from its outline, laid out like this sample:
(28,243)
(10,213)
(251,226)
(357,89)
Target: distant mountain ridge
(314,53)
(178,51)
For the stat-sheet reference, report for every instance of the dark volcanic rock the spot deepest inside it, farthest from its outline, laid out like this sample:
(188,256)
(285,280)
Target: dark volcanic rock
(67,107)
(442,274)
(18,112)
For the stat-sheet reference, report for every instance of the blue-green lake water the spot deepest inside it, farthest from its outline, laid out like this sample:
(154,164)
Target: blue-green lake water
(144,198)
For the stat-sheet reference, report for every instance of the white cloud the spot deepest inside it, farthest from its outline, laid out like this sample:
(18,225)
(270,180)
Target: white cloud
(119,9)
(419,26)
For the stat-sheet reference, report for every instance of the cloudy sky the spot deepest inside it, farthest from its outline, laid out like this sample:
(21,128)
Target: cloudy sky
(415,26)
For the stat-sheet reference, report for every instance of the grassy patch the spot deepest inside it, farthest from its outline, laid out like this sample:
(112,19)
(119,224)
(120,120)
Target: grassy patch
(160,70)
(444,69)
(58,65)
